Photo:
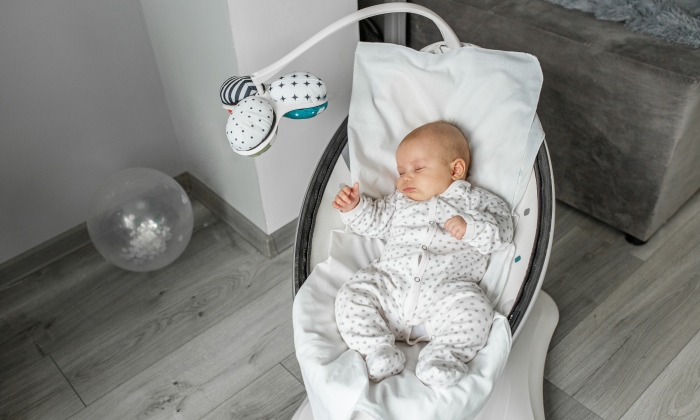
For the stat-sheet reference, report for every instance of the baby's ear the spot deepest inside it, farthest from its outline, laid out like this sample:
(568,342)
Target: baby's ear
(459,169)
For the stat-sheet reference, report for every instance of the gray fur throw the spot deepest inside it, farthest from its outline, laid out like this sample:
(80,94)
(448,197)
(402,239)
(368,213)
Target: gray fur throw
(673,20)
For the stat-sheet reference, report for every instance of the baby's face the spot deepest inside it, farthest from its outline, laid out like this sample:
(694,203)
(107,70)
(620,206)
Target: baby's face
(423,170)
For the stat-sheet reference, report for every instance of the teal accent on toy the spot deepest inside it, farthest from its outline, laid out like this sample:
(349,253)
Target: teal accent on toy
(517,258)
(302,114)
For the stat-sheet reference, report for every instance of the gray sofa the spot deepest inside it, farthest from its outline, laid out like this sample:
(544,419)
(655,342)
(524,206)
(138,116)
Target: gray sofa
(621,110)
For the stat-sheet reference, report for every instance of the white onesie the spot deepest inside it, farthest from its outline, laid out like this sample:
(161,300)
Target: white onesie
(424,276)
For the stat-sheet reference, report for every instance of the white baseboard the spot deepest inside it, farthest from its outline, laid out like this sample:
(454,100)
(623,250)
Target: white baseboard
(268,245)
(73,239)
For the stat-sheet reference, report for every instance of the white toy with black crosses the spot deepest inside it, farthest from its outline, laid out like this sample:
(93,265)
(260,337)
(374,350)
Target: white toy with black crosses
(425,276)
(299,87)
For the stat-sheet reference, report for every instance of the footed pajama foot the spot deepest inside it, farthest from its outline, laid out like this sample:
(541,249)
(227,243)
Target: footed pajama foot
(385,361)
(440,373)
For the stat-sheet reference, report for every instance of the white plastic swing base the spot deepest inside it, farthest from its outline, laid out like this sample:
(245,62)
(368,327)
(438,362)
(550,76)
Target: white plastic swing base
(518,392)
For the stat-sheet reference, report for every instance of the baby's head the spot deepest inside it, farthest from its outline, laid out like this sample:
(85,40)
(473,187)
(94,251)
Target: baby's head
(430,158)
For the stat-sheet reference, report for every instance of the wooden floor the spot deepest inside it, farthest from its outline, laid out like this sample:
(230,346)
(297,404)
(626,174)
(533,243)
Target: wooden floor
(210,336)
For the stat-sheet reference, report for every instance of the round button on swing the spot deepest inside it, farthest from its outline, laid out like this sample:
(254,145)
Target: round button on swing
(416,278)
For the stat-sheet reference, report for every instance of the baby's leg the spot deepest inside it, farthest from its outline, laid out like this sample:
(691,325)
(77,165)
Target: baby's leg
(362,325)
(459,333)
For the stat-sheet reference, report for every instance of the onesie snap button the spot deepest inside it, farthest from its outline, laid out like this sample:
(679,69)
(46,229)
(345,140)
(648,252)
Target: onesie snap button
(417,279)
(424,247)
(432,222)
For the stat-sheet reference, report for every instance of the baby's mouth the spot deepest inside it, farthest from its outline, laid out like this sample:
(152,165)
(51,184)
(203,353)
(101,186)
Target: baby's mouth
(409,190)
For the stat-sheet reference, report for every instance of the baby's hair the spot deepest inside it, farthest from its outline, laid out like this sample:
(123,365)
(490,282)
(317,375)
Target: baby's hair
(450,122)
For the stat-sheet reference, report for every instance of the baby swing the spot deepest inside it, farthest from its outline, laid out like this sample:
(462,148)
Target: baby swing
(477,89)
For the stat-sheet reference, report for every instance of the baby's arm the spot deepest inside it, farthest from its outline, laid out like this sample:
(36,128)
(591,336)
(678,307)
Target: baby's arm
(489,225)
(366,217)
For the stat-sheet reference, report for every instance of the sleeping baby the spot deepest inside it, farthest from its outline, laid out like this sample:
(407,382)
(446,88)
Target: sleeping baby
(440,231)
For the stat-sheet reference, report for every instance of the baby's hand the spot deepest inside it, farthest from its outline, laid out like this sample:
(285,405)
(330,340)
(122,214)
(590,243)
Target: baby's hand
(457,227)
(347,198)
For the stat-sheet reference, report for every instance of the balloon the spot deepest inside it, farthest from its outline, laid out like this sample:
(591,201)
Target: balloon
(140,219)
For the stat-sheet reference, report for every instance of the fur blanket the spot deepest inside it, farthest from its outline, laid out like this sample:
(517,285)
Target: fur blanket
(673,20)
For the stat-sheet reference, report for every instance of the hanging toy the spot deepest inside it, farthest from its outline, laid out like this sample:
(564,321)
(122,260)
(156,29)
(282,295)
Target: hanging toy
(252,126)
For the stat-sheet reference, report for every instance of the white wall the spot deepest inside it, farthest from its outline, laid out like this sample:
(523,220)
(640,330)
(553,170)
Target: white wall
(80,98)
(194,48)
(263,32)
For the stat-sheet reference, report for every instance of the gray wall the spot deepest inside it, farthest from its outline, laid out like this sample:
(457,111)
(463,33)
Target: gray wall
(80,98)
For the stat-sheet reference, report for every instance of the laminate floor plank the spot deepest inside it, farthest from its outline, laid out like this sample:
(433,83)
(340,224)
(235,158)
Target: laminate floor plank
(559,406)
(567,252)
(276,395)
(32,303)
(617,351)
(675,394)
(209,369)
(16,355)
(292,365)
(584,271)
(199,292)
(564,220)
(131,293)
(39,391)
(52,406)
(136,292)
(595,227)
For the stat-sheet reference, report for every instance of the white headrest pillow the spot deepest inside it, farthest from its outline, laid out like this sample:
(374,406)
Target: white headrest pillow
(490,95)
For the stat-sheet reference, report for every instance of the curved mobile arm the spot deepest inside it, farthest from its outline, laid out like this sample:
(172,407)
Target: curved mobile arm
(447,33)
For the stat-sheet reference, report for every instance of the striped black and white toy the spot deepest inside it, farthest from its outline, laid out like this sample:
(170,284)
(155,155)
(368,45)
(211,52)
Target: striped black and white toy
(237,88)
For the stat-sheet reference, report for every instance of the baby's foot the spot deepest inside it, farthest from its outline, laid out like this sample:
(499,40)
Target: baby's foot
(440,373)
(385,361)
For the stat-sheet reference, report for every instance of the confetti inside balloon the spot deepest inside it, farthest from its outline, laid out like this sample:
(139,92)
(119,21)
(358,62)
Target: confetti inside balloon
(140,219)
